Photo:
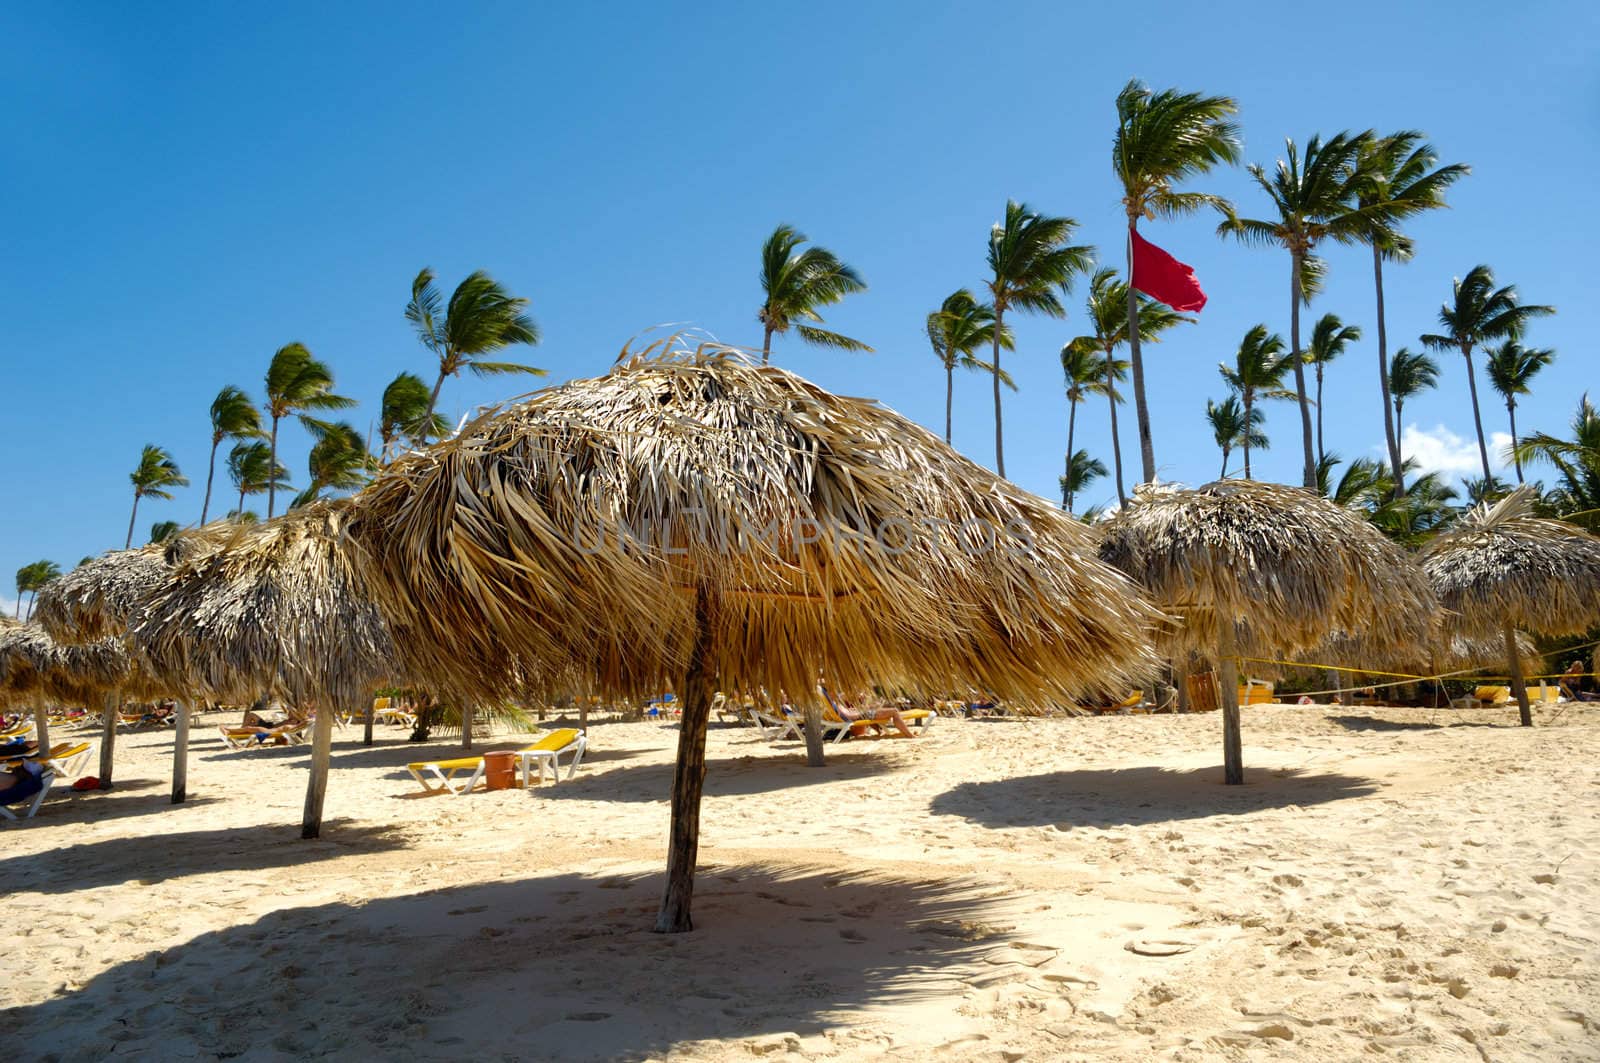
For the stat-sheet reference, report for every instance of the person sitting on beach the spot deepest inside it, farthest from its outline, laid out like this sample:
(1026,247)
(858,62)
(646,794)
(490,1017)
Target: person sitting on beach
(881,715)
(1571,683)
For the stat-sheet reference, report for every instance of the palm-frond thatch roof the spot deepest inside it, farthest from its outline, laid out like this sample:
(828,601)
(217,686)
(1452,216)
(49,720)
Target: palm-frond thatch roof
(97,599)
(273,608)
(35,666)
(572,531)
(1502,566)
(1287,568)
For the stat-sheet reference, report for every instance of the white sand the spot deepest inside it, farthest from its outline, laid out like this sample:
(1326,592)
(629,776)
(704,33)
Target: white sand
(1408,884)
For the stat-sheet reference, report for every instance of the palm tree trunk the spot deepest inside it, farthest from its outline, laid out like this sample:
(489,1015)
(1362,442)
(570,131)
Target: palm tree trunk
(1300,370)
(949,397)
(211,474)
(1391,428)
(1223,475)
(1147,449)
(1400,459)
(241,501)
(272,469)
(131,518)
(433,400)
(1116,442)
(1322,455)
(1477,418)
(1511,409)
(1248,397)
(1072,424)
(999,426)
(766,346)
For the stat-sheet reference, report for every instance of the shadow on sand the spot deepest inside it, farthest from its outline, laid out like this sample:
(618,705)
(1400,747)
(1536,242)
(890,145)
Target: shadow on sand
(725,777)
(1136,796)
(174,854)
(552,967)
(1440,719)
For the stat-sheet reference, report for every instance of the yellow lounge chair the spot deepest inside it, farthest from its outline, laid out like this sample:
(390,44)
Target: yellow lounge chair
(836,728)
(293,732)
(1493,695)
(444,772)
(1256,692)
(65,758)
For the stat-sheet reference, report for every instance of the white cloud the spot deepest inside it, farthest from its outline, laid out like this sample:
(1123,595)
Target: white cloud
(1440,450)
(8,607)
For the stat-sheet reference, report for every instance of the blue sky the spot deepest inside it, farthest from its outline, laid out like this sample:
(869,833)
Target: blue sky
(190,187)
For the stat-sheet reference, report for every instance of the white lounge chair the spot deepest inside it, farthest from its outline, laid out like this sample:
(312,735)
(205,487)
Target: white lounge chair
(437,776)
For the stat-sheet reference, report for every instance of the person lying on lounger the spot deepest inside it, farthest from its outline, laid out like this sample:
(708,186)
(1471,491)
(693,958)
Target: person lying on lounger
(885,714)
(22,782)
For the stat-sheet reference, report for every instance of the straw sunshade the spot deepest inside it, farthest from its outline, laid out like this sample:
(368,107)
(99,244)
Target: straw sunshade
(97,599)
(273,608)
(695,517)
(1265,570)
(1503,569)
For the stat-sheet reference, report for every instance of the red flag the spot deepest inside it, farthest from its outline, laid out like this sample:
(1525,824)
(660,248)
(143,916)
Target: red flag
(1164,278)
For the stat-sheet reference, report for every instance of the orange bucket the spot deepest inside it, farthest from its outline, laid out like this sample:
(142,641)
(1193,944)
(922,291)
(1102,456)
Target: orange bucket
(500,771)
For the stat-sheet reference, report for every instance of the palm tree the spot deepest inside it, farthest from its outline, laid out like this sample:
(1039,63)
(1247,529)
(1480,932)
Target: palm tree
(1399,169)
(1478,313)
(1314,199)
(1329,338)
(1512,368)
(1413,517)
(1577,497)
(254,470)
(233,416)
(481,318)
(1231,429)
(339,461)
(296,382)
(1082,470)
(797,284)
(31,579)
(1479,490)
(1411,373)
(1106,307)
(1257,371)
(1085,376)
(1163,139)
(957,330)
(156,472)
(162,530)
(1029,260)
(404,415)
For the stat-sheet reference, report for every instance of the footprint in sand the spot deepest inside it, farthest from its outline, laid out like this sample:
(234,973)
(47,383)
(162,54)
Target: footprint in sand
(853,936)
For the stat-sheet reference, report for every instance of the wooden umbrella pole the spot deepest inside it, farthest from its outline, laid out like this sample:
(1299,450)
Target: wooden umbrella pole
(366,725)
(1518,686)
(689,778)
(466,725)
(1228,672)
(108,737)
(814,744)
(317,788)
(180,755)
(41,724)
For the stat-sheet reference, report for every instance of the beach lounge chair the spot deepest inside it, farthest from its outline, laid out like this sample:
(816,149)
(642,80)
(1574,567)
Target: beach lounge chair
(1256,692)
(1492,695)
(776,725)
(438,776)
(836,728)
(384,710)
(65,758)
(293,733)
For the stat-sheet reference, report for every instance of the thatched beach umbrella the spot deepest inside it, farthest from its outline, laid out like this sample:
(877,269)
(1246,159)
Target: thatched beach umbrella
(1261,569)
(274,608)
(96,601)
(1502,570)
(36,669)
(698,517)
